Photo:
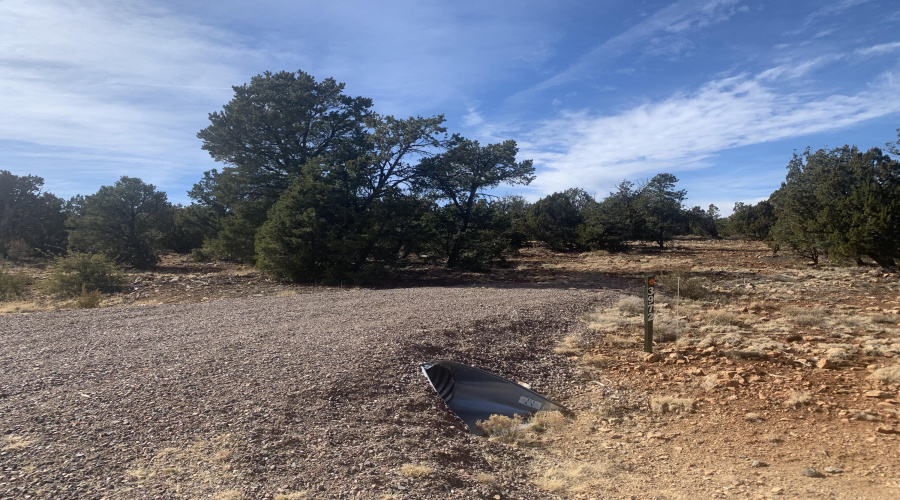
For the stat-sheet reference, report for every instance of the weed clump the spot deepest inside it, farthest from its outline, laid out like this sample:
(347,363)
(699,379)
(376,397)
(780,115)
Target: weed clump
(671,404)
(87,300)
(888,374)
(680,285)
(12,285)
(630,306)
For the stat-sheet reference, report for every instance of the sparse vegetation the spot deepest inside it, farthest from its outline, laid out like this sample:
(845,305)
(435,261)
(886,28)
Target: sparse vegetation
(87,300)
(12,285)
(630,306)
(681,285)
(416,471)
(80,270)
(887,374)
(671,404)
(797,399)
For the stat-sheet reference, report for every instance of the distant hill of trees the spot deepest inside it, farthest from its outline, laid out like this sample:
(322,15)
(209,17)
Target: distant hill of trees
(317,187)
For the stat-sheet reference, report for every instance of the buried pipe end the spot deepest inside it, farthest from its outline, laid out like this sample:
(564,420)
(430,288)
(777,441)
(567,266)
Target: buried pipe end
(473,394)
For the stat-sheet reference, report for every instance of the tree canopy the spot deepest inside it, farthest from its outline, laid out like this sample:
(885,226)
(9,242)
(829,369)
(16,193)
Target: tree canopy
(126,222)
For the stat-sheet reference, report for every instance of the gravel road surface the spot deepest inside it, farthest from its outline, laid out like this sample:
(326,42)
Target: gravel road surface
(255,398)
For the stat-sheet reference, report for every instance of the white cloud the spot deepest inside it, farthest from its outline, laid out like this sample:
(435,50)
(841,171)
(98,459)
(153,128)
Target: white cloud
(125,84)
(663,32)
(881,49)
(686,131)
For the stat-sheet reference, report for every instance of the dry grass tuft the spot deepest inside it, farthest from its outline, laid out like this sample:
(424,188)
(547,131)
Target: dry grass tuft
(885,319)
(621,342)
(797,399)
(570,346)
(416,471)
(808,321)
(631,306)
(548,421)
(485,478)
(671,404)
(574,478)
(296,495)
(667,330)
(888,374)
(228,495)
(502,428)
(597,360)
(15,443)
(722,318)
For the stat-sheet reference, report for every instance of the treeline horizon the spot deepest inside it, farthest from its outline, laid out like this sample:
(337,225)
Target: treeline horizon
(317,187)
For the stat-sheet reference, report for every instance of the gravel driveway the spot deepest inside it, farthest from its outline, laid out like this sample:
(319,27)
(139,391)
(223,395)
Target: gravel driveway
(255,398)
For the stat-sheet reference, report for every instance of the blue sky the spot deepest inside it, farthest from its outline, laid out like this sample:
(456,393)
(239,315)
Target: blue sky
(718,92)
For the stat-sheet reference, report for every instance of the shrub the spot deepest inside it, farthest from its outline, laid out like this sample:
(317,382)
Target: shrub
(631,306)
(679,284)
(87,300)
(11,285)
(78,271)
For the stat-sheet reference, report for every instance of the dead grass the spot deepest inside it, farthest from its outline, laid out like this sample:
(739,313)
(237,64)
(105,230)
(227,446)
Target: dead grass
(416,471)
(797,399)
(621,342)
(667,330)
(575,477)
(722,318)
(209,464)
(597,360)
(631,306)
(485,478)
(15,443)
(671,404)
(570,346)
(885,319)
(888,374)
(296,495)
(228,495)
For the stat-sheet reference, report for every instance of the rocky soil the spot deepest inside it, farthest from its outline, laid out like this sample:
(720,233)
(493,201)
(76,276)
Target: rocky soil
(771,378)
(251,398)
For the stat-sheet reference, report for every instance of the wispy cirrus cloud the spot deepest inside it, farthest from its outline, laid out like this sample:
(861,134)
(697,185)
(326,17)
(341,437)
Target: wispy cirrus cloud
(116,89)
(880,49)
(664,32)
(687,130)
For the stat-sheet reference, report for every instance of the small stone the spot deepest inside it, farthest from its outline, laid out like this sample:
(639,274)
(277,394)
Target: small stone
(652,358)
(758,463)
(810,472)
(826,364)
(833,470)
(878,394)
(887,430)
(778,491)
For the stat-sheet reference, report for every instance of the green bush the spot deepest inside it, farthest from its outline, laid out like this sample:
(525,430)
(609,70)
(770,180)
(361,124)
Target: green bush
(11,285)
(81,270)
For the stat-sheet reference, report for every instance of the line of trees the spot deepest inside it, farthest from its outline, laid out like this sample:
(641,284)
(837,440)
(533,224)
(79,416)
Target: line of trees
(842,203)
(317,187)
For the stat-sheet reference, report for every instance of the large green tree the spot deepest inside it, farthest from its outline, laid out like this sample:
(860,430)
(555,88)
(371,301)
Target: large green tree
(659,206)
(462,174)
(270,129)
(126,222)
(555,219)
(30,220)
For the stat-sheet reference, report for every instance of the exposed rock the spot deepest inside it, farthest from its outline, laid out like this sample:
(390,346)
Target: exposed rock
(810,472)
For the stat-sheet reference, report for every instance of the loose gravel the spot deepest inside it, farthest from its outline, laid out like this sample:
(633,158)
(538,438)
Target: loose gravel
(259,397)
